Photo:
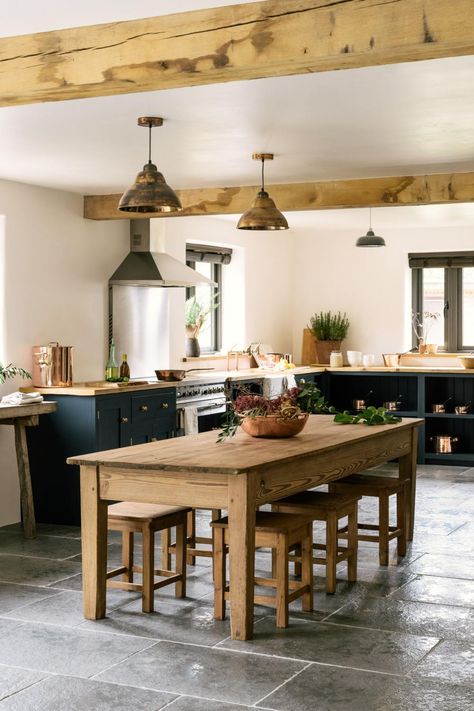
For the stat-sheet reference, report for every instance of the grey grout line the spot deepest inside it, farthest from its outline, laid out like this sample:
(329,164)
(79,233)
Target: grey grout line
(293,676)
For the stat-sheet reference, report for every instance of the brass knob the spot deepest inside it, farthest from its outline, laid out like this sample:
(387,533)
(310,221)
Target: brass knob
(164,405)
(123,420)
(143,408)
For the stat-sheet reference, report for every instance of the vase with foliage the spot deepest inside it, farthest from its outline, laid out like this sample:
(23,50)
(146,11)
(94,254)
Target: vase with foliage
(329,330)
(196,315)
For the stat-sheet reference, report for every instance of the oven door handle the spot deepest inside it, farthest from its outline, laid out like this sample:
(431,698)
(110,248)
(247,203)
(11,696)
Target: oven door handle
(211,406)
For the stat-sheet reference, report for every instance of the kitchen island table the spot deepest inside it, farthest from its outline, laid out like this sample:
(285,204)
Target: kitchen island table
(238,475)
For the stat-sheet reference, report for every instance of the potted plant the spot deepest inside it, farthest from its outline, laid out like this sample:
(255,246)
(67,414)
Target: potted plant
(196,315)
(329,330)
(422,323)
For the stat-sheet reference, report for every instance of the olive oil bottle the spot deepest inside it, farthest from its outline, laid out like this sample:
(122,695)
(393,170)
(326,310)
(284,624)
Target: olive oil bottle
(124,369)
(112,369)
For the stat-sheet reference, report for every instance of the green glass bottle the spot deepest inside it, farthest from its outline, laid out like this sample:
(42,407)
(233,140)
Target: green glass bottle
(112,369)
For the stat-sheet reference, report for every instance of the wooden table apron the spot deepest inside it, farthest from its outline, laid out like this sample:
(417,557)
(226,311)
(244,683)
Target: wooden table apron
(239,491)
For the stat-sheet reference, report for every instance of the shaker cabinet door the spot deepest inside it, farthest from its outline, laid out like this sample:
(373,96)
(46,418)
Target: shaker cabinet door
(113,422)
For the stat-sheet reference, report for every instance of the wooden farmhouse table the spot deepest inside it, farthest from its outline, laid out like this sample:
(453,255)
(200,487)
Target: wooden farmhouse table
(237,475)
(21,416)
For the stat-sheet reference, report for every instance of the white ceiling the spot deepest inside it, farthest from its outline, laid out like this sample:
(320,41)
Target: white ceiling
(391,120)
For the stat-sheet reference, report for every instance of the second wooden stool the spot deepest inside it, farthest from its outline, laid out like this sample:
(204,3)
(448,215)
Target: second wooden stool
(321,506)
(381,487)
(281,532)
(130,518)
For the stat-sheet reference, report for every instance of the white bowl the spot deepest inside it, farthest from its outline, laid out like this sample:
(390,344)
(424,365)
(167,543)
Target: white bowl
(354,358)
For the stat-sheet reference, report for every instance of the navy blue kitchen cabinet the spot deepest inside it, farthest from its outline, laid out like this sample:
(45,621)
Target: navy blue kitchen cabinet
(85,424)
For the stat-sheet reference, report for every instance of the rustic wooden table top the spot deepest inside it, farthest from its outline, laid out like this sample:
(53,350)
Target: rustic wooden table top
(8,412)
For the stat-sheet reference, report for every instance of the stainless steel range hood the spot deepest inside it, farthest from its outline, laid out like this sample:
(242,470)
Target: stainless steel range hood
(142,267)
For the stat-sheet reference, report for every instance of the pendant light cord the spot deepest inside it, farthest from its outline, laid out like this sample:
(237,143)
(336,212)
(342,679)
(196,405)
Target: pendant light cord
(370,218)
(263,175)
(149,143)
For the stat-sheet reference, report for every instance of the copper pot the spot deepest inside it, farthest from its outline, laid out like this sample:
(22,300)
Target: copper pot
(392,405)
(52,365)
(440,407)
(462,409)
(444,444)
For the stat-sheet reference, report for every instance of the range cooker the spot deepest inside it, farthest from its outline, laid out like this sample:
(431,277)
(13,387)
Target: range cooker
(209,401)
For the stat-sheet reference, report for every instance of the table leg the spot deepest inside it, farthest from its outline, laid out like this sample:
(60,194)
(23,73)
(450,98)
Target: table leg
(407,470)
(26,492)
(94,544)
(241,510)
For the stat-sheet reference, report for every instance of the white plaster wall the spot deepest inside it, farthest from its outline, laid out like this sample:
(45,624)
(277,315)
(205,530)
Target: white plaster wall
(55,267)
(372,285)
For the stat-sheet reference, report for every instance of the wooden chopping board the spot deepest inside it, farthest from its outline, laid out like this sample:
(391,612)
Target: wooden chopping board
(308,350)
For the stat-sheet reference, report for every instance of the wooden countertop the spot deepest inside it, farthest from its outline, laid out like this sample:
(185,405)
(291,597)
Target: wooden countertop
(213,376)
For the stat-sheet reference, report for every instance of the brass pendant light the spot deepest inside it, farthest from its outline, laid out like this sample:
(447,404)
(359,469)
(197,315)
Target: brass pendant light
(370,239)
(263,213)
(150,192)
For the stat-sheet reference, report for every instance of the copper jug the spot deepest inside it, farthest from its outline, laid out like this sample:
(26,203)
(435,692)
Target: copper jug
(52,365)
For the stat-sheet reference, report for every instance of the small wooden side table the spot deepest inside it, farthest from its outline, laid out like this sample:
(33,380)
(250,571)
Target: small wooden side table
(22,416)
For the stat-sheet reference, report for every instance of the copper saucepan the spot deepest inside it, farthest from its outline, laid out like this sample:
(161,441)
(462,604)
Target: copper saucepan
(173,376)
(444,444)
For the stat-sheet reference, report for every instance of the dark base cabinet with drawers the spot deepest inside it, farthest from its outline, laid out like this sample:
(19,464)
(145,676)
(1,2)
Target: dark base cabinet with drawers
(89,424)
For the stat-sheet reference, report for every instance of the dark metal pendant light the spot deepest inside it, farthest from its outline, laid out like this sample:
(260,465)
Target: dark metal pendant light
(370,239)
(263,213)
(150,192)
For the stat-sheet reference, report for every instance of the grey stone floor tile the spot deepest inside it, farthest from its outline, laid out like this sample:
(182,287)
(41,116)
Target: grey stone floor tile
(374,650)
(67,650)
(450,661)
(13,595)
(419,618)
(65,608)
(54,547)
(445,566)
(70,694)
(429,588)
(192,623)
(13,680)
(35,571)
(190,703)
(324,688)
(46,529)
(217,674)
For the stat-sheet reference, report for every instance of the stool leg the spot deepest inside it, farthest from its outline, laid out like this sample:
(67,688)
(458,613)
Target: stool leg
(383,528)
(148,592)
(165,549)
(307,569)
(401,522)
(282,580)
(191,559)
(180,587)
(127,555)
(219,572)
(352,543)
(331,551)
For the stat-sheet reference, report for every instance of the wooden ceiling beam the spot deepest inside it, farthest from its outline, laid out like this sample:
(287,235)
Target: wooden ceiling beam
(368,192)
(233,43)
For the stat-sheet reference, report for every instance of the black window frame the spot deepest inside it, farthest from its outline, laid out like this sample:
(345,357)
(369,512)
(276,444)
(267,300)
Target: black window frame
(217,257)
(453,264)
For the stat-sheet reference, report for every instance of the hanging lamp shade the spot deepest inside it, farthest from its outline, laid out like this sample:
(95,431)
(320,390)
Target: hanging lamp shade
(370,239)
(263,214)
(150,191)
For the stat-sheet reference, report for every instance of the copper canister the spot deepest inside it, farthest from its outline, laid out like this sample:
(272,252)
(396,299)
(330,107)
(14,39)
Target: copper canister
(52,365)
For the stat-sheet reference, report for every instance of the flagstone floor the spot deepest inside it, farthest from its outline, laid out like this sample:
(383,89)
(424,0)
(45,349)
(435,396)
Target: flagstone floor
(402,637)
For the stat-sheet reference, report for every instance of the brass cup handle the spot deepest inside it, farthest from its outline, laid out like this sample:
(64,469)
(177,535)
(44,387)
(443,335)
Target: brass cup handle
(143,408)
(164,405)
(124,420)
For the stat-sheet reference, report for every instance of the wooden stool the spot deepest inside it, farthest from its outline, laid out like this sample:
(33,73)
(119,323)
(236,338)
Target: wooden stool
(382,488)
(168,548)
(279,531)
(320,506)
(146,519)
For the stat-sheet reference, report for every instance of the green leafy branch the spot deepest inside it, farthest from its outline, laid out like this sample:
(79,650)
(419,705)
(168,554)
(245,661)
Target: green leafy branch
(326,326)
(11,371)
(311,399)
(370,416)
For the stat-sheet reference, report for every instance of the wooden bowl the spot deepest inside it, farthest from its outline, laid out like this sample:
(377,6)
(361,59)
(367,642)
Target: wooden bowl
(467,361)
(273,426)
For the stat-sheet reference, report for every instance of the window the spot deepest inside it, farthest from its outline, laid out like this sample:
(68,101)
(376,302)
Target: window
(443,283)
(209,261)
